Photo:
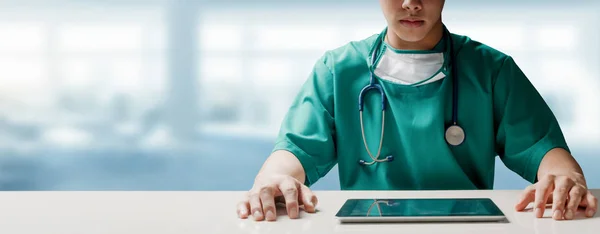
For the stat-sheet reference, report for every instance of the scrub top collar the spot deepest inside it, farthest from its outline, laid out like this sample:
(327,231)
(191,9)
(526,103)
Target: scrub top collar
(443,46)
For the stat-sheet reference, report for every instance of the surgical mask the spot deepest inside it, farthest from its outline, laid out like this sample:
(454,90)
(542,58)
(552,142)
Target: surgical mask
(410,68)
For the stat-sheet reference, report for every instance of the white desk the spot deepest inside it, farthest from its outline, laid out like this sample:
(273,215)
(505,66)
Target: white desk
(214,213)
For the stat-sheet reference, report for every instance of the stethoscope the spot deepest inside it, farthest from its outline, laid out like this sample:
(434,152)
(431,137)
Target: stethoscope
(455,135)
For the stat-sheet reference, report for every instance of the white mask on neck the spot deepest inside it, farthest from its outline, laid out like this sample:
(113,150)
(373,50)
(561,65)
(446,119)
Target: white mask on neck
(410,68)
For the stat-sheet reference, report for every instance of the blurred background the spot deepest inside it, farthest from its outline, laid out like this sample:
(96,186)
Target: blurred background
(189,95)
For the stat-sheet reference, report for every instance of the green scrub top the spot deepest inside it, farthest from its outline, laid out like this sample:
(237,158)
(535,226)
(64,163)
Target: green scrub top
(499,109)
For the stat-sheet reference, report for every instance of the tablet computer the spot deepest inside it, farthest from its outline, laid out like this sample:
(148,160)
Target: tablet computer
(420,210)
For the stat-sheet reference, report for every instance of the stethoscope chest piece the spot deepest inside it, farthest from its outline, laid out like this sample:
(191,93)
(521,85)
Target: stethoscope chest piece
(455,135)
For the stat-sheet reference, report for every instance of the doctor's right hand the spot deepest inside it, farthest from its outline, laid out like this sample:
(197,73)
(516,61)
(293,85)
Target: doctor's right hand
(268,189)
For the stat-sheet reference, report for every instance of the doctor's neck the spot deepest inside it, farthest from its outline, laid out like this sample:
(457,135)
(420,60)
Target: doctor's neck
(414,39)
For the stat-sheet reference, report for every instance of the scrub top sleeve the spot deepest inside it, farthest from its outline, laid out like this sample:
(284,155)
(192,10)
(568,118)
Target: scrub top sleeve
(307,130)
(526,128)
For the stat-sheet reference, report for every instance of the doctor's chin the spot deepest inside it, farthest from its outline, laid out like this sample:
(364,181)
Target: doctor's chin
(192,95)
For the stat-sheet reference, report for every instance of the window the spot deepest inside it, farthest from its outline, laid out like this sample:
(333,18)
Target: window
(110,55)
(553,56)
(254,62)
(23,68)
(558,37)
(68,75)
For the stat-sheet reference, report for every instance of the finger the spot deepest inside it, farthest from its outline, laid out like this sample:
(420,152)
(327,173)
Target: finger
(527,197)
(256,206)
(561,191)
(243,208)
(591,204)
(575,196)
(542,192)
(267,198)
(308,198)
(290,193)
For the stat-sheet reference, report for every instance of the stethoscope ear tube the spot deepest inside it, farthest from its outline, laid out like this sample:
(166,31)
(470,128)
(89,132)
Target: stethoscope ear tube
(365,90)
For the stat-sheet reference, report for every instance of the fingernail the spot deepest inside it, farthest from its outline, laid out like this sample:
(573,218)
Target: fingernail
(569,214)
(557,214)
(293,212)
(257,214)
(538,212)
(314,201)
(590,213)
(308,200)
(243,212)
(270,215)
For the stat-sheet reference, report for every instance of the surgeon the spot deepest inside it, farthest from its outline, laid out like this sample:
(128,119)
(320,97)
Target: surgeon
(417,107)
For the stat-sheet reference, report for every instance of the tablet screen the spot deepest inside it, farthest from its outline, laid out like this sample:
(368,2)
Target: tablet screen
(419,207)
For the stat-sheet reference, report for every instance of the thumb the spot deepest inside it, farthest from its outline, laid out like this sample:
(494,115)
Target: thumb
(308,198)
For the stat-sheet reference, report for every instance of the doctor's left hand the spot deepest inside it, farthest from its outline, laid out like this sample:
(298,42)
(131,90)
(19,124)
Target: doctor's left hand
(566,193)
